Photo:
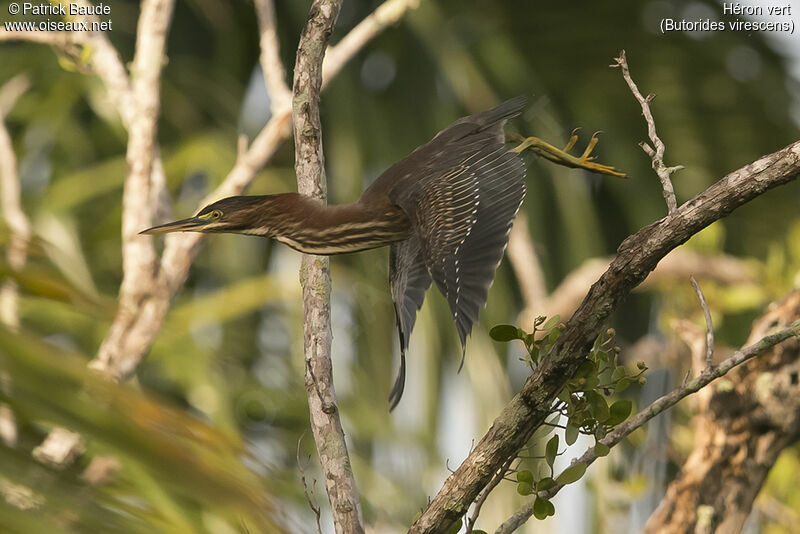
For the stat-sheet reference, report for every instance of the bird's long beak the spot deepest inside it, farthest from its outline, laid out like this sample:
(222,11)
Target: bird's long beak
(184,225)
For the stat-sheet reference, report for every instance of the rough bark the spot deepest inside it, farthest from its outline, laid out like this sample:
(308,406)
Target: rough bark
(315,274)
(636,257)
(752,416)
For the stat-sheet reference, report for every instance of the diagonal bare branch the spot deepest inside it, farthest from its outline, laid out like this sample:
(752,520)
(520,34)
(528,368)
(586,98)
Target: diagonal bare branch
(139,258)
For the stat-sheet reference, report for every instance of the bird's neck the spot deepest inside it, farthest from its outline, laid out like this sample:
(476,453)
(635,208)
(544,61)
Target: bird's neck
(307,225)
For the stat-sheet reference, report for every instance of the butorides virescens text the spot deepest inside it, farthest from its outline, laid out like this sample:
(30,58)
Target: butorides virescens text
(445,211)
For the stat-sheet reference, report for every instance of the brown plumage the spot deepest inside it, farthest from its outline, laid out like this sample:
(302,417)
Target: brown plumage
(445,210)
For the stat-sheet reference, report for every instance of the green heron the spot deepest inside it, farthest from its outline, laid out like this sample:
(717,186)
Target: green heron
(445,211)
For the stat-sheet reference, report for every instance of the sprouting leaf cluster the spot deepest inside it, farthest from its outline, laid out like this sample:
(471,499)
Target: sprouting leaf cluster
(538,342)
(586,405)
(584,401)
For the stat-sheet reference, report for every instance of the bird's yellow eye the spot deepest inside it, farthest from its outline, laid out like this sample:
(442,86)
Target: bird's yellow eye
(216,214)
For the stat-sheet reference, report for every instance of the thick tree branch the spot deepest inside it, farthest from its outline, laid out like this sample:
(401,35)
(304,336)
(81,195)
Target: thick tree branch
(315,273)
(636,257)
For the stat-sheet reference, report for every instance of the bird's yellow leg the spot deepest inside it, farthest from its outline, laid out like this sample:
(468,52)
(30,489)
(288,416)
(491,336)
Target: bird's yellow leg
(562,156)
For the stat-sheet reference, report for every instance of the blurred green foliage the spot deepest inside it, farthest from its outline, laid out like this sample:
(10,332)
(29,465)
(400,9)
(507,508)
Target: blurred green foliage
(207,435)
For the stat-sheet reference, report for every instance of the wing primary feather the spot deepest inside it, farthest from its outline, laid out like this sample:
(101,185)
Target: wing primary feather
(399,384)
(409,278)
(461,192)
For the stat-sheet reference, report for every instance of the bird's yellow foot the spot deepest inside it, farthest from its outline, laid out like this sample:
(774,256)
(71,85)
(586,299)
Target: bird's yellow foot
(563,157)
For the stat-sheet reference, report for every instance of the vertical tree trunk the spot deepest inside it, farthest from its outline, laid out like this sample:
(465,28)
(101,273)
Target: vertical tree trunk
(315,274)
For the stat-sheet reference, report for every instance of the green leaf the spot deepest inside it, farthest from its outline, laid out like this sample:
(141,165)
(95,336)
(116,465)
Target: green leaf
(587,368)
(525,476)
(545,484)
(565,395)
(598,342)
(504,333)
(455,527)
(623,384)
(600,432)
(571,474)
(592,382)
(542,508)
(479,532)
(619,373)
(571,434)
(551,450)
(551,322)
(601,450)
(534,352)
(524,488)
(619,411)
(553,335)
(597,405)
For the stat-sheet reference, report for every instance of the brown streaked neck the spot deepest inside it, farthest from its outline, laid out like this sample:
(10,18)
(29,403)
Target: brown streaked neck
(307,225)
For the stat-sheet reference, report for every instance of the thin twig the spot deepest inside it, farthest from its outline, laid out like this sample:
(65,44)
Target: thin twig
(709,325)
(656,407)
(314,507)
(657,154)
(484,494)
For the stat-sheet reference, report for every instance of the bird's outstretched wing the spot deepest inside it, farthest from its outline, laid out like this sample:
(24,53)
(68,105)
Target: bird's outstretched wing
(461,192)
(463,217)
(409,279)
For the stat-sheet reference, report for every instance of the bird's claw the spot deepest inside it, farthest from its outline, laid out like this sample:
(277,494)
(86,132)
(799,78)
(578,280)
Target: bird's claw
(563,157)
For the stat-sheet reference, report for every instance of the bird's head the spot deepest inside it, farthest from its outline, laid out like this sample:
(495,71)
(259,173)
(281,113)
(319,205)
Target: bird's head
(240,215)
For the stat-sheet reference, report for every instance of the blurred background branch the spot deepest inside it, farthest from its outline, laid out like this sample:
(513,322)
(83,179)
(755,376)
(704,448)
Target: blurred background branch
(15,218)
